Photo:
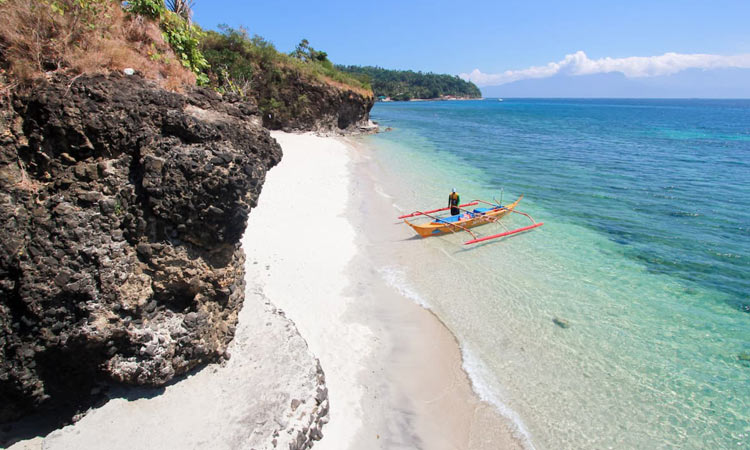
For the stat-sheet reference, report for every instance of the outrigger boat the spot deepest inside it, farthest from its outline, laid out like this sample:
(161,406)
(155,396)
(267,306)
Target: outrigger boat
(492,213)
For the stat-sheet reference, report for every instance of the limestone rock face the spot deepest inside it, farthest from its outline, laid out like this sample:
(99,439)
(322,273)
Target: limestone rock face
(121,208)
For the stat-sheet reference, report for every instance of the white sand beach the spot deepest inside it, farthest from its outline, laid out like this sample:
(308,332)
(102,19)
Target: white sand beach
(299,233)
(393,371)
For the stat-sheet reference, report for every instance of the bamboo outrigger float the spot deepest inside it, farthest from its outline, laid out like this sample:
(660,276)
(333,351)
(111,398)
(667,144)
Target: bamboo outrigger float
(468,219)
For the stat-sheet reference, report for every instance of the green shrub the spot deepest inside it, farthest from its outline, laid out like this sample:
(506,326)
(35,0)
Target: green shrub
(183,37)
(152,9)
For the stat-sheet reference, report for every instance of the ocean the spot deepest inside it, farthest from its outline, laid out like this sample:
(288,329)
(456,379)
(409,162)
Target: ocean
(624,321)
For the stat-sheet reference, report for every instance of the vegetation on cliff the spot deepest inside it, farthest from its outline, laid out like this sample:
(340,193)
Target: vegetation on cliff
(95,36)
(178,30)
(236,60)
(300,90)
(287,87)
(407,84)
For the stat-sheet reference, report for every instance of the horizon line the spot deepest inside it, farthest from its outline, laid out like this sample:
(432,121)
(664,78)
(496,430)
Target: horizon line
(620,98)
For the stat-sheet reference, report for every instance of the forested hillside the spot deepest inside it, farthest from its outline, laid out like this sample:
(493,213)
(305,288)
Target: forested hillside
(407,84)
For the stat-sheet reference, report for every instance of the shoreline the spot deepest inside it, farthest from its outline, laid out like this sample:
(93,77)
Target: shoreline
(425,361)
(394,371)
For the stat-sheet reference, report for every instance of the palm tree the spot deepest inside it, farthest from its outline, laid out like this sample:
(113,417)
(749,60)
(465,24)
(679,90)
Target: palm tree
(183,8)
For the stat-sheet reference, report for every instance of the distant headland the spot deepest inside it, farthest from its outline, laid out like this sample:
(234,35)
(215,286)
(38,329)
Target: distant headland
(399,85)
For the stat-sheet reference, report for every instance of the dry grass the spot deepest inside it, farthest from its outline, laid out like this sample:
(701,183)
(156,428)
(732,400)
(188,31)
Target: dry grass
(313,76)
(367,93)
(42,36)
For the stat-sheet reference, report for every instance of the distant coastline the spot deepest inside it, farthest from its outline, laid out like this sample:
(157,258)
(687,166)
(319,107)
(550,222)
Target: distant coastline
(400,85)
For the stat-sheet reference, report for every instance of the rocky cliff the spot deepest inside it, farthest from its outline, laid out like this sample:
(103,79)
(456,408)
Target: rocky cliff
(122,206)
(301,104)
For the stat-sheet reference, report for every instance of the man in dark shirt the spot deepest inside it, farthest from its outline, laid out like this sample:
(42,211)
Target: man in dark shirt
(453,201)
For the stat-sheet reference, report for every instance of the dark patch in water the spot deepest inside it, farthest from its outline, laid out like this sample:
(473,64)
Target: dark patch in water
(742,305)
(684,214)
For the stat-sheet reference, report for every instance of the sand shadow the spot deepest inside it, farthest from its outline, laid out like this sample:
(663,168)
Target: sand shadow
(58,415)
(410,238)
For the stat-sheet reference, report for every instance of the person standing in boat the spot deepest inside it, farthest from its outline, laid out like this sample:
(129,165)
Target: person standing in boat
(453,201)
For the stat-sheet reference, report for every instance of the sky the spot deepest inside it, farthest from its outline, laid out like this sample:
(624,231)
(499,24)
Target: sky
(499,42)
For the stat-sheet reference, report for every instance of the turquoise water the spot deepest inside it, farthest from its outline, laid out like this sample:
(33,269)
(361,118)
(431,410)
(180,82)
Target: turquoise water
(645,253)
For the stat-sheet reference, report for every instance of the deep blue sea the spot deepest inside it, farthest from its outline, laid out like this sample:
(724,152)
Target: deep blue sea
(645,255)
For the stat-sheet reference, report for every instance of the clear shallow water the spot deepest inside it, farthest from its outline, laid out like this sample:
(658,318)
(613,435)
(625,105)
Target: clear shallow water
(645,252)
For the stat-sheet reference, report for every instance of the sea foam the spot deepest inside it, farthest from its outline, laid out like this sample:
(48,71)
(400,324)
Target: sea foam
(478,374)
(395,277)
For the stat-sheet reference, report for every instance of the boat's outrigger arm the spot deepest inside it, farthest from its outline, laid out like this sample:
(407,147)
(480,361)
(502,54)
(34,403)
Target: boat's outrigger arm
(534,224)
(507,233)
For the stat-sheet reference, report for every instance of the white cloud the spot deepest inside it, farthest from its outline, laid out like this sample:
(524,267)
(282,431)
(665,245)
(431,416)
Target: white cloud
(635,66)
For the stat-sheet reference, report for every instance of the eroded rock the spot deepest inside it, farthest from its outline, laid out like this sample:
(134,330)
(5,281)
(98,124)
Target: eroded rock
(122,207)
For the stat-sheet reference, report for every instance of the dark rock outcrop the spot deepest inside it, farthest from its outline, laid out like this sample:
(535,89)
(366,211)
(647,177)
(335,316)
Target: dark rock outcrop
(122,206)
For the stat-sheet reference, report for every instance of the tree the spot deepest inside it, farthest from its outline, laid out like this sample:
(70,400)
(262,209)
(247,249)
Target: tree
(183,8)
(306,53)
